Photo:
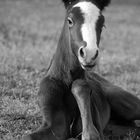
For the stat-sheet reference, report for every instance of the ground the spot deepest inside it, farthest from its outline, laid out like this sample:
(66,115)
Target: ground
(29,32)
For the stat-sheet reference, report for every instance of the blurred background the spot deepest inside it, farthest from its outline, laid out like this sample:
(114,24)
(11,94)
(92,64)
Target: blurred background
(29,32)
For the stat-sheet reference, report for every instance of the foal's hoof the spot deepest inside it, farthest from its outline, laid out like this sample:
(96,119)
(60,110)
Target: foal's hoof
(26,138)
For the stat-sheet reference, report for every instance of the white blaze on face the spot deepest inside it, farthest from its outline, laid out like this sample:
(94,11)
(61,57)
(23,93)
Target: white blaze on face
(88,29)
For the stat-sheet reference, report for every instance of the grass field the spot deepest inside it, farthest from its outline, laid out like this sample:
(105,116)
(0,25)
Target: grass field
(29,32)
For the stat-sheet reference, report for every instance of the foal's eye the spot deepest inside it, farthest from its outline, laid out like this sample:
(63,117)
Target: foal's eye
(70,22)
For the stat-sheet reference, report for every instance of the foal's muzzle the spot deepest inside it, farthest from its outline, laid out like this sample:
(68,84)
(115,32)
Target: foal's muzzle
(88,58)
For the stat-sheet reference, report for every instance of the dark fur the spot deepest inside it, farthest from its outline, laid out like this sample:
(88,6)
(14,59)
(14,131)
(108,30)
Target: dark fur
(68,2)
(65,78)
(100,3)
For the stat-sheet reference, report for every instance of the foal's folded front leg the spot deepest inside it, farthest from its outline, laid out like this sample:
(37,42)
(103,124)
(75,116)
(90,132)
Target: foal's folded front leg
(55,118)
(81,92)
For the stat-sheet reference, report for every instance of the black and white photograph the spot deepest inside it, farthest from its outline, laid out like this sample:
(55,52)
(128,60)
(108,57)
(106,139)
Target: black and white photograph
(69,69)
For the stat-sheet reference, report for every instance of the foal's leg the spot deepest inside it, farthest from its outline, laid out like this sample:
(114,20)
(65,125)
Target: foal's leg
(123,103)
(81,92)
(55,119)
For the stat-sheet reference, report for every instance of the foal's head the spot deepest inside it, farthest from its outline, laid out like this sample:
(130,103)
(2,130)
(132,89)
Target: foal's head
(85,22)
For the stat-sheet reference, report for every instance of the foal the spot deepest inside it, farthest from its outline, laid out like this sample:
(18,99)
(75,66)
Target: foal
(70,73)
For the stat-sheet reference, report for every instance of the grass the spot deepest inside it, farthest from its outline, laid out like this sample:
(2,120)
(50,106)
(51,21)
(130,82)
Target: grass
(29,31)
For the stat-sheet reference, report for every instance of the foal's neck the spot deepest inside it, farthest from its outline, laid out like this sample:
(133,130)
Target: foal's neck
(65,65)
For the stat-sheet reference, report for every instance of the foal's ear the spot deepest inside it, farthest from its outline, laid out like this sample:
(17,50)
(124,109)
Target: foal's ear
(102,3)
(68,2)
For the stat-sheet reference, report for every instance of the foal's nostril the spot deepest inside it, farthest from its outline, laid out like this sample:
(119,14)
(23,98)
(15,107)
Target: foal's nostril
(96,55)
(82,52)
